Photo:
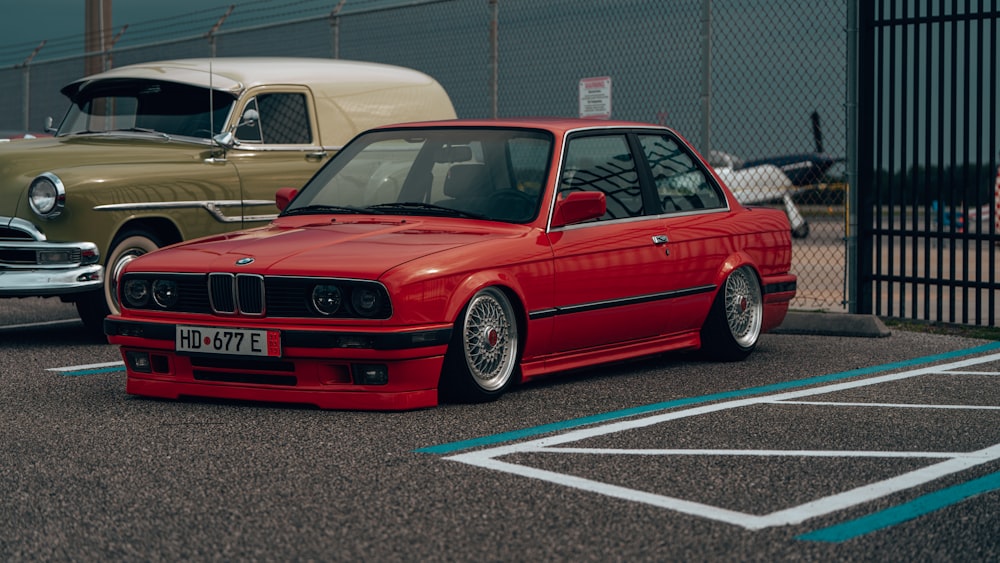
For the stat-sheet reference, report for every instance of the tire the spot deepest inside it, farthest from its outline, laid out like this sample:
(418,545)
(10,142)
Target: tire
(732,329)
(482,358)
(93,307)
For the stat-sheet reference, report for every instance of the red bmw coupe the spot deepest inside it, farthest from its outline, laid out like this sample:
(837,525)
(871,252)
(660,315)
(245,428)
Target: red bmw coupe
(450,260)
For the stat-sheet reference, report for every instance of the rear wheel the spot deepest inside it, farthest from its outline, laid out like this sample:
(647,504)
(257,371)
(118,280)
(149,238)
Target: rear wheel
(127,246)
(482,358)
(732,329)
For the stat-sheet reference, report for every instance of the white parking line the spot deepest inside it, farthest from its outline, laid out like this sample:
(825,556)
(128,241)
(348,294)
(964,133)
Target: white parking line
(889,405)
(953,461)
(88,366)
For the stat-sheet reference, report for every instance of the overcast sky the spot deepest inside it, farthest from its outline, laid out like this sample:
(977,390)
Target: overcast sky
(31,21)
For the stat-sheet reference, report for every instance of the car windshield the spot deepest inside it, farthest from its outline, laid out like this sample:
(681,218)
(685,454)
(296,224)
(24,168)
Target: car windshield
(147,106)
(488,173)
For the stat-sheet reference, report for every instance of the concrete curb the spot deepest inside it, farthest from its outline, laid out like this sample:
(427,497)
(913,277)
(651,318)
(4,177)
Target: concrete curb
(832,324)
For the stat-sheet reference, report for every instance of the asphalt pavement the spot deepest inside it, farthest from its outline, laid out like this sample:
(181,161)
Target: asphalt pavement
(818,447)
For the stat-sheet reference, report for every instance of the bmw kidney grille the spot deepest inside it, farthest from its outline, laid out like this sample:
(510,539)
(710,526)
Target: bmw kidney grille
(242,293)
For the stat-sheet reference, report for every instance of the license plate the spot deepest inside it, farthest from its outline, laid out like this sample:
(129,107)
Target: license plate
(235,341)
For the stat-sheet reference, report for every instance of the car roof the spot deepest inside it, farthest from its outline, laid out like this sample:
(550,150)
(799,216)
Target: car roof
(557,125)
(350,96)
(236,74)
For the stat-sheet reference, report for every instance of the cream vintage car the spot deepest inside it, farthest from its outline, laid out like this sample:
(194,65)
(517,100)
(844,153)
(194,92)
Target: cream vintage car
(155,153)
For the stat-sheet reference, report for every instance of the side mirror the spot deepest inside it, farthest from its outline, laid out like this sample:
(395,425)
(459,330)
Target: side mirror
(225,140)
(284,196)
(577,207)
(250,118)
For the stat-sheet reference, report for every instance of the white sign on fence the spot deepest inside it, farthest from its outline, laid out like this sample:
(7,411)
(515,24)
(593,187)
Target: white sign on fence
(595,97)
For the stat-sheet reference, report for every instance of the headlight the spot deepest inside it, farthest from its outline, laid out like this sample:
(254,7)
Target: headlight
(326,299)
(47,196)
(165,293)
(365,301)
(135,293)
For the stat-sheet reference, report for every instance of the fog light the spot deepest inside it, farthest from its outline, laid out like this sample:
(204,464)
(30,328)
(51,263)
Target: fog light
(355,341)
(370,374)
(138,361)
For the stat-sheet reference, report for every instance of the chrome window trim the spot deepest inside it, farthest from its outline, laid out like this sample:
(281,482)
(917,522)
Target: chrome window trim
(709,173)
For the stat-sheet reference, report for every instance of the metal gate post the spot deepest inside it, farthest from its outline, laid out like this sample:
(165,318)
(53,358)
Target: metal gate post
(861,199)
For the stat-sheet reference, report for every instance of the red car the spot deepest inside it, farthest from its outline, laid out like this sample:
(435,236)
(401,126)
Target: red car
(452,259)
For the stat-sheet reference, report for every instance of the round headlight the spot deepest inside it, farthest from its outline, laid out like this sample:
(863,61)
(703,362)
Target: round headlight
(47,196)
(165,293)
(365,301)
(326,299)
(136,293)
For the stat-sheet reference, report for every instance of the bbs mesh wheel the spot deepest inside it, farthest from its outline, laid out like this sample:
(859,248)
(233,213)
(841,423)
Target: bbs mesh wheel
(482,359)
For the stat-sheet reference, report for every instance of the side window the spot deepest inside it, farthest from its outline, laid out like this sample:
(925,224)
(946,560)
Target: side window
(681,185)
(604,164)
(284,120)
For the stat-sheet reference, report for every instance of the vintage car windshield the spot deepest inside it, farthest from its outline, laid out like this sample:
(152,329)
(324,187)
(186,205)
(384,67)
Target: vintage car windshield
(147,106)
(489,173)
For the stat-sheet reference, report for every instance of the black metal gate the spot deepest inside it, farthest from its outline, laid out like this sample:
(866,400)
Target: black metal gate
(927,160)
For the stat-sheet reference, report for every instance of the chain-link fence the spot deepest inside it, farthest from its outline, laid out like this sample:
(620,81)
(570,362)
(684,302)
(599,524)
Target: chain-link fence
(758,85)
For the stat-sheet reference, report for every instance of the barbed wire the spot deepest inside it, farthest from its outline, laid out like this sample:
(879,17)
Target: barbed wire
(244,14)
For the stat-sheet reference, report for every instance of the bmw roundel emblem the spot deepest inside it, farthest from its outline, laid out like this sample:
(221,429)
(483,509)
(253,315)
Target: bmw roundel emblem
(244,261)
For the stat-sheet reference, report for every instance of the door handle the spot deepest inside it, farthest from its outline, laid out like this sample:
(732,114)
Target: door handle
(660,240)
(316,155)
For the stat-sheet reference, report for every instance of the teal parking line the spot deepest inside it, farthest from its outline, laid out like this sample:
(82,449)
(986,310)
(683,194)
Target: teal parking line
(453,447)
(91,371)
(903,512)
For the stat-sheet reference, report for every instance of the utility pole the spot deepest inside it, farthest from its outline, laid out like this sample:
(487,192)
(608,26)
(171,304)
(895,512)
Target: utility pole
(96,35)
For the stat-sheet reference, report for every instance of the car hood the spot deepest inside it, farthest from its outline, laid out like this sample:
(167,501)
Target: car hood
(30,157)
(361,247)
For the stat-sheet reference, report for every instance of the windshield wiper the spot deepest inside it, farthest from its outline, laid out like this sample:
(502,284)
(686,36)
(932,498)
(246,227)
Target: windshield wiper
(145,130)
(426,208)
(321,209)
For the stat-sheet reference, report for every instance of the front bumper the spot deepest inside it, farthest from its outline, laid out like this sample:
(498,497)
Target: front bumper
(317,366)
(32,266)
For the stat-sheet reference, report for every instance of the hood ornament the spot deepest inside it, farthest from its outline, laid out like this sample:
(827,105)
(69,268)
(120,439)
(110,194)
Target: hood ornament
(244,261)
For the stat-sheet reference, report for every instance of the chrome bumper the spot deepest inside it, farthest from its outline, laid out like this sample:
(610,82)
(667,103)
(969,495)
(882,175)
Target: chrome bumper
(41,268)
(30,283)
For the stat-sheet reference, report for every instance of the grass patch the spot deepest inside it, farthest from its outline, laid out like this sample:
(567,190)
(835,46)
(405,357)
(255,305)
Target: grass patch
(931,327)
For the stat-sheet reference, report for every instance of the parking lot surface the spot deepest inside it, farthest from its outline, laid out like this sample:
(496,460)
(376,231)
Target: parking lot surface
(815,448)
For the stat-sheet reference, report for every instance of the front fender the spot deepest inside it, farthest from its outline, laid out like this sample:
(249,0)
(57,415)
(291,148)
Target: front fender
(101,200)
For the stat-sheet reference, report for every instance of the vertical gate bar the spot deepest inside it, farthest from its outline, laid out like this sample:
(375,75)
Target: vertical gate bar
(993,244)
(953,66)
(892,165)
(905,167)
(919,83)
(877,201)
(928,150)
(905,182)
(977,291)
(940,241)
(967,142)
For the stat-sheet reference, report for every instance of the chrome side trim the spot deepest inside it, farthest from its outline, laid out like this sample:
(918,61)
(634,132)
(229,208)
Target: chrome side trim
(214,208)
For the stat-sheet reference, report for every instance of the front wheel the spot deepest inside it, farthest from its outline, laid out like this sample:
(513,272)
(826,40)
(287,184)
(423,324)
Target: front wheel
(732,329)
(482,358)
(93,307)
